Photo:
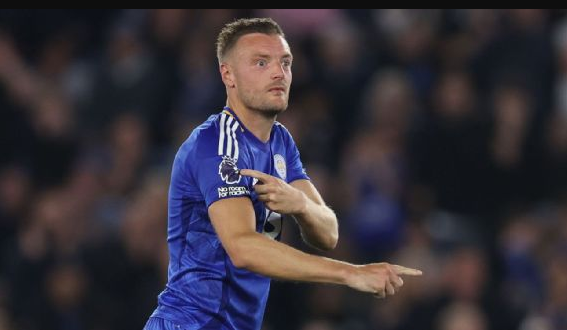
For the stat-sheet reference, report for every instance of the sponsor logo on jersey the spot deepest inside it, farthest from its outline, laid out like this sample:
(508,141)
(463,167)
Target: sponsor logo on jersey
(233,191)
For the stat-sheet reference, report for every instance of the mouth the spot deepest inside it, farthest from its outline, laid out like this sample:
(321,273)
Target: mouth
(277,89)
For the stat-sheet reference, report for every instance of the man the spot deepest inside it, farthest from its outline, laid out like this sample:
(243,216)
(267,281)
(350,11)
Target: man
(231,181)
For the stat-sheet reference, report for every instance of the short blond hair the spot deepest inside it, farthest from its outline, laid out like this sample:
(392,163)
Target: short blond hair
(231,32)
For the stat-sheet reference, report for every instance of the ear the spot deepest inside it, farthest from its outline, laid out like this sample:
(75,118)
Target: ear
(227,75)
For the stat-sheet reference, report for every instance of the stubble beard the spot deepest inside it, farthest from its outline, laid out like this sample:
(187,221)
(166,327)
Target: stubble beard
(264,107)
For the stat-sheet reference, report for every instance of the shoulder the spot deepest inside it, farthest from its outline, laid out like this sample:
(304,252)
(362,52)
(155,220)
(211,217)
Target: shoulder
(280,126)
(281,130)
(217,136)
(203,138)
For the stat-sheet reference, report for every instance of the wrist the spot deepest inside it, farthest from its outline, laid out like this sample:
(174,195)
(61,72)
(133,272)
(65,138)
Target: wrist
(348,274)
(302,204)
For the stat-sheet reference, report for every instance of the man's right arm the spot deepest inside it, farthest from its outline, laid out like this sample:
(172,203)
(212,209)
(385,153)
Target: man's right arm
(234,222)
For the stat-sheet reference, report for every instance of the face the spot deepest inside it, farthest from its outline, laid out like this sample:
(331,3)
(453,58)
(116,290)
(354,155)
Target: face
(261,72)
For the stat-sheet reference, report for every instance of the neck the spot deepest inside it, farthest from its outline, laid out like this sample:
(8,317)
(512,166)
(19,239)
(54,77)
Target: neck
(258,123)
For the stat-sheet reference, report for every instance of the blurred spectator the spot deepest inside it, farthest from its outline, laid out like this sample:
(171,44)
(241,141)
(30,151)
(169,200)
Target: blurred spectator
(451,162)
(374,167)
(129,79)
(201,86)
(15,190)
(318,325)
(462,316)
(511,153)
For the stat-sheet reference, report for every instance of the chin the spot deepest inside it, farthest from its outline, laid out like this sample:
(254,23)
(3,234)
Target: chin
(271,111)
(273,107)
(278,108)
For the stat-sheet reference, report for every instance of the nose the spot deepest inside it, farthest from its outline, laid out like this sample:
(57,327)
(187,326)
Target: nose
(279,72)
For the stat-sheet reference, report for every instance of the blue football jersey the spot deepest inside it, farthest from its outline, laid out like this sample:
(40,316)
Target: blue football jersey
(204,289)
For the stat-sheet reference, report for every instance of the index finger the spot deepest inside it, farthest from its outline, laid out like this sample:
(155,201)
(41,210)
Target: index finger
(255,174)
(401,270)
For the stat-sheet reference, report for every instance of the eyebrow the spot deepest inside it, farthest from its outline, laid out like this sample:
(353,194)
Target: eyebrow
(269,57)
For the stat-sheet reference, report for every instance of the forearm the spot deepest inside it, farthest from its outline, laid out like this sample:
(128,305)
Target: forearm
(318,224)
(235,224)
(262,255)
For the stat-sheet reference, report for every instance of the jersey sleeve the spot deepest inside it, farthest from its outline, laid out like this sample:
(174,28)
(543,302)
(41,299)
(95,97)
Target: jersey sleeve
(215,163)
(295,169)
(218,177)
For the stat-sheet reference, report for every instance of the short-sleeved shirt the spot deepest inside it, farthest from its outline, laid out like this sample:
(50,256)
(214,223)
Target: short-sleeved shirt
(205,290)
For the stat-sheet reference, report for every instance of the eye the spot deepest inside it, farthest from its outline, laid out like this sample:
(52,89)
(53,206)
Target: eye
(286,63)
(261,63)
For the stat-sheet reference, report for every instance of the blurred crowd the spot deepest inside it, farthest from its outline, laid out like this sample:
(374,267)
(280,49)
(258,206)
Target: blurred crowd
(438,136)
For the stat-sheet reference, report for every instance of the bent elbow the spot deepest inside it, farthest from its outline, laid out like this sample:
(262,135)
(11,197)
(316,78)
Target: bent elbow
(239,262)
(330,243)
(238,256)
(333,241)
(333,237)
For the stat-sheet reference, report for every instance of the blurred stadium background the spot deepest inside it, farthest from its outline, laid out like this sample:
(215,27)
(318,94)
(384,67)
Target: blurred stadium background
(438,136)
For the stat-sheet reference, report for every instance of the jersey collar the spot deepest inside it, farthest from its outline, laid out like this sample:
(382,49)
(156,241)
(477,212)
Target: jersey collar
(246,131)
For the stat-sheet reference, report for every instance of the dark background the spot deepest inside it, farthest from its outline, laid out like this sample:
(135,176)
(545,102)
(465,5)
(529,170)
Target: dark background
(438,136)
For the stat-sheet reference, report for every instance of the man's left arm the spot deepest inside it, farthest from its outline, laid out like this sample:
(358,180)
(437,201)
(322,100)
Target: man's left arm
(300,198)
(318,223)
